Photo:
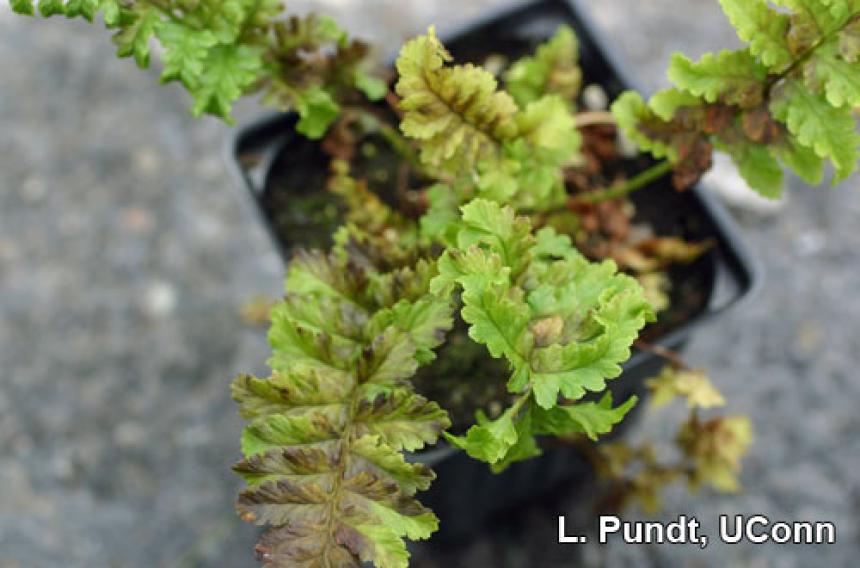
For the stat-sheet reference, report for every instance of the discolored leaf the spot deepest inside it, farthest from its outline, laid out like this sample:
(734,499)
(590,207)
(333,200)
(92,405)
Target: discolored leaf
(694,385)
(849,41)
(323,446)
(674,250)
(317,273)
(285,393)
(289,463)
(837,76)
(405,420)
(451,110)
(666,103)
(372,453)
(733,77)
(716,448)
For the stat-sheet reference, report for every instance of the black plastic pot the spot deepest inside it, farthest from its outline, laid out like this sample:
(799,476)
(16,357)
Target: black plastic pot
(465,492)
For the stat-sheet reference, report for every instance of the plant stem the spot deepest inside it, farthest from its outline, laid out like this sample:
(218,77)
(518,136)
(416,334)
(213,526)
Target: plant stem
(665,353)
(399,144)
(390,134)
(591,118)
(640,180)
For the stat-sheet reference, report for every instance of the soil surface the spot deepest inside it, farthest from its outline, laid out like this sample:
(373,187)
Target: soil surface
(125,255)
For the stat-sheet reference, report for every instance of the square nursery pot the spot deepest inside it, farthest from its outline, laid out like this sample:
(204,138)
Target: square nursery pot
(274,162)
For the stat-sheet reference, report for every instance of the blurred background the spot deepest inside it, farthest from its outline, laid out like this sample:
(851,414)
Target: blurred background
(126,253)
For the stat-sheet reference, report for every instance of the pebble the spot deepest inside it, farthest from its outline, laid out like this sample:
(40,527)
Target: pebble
(146,161)
(129,434)
(594,97)
(160,299)
(138,220)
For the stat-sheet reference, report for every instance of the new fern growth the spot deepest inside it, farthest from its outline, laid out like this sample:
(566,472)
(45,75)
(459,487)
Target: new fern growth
(329,446)
(470,130)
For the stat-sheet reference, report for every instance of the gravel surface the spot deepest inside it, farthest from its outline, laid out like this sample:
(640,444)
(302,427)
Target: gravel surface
(125,255)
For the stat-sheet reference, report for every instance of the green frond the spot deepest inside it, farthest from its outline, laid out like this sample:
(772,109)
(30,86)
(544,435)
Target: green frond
(835,75)
(552,70)
(831,132)
(563,324)
(765,29)
(760,169)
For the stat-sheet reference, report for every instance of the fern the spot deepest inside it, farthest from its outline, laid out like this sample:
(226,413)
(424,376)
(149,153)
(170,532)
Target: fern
(764,30)
(323,447)
(356,324)
(223,50)
(734,77)
(710,450)
(327,432)
(694,385)
(564,326)
(815,124)
(451,110)
(467,127)
(715,447)
(553,69)
(786,98)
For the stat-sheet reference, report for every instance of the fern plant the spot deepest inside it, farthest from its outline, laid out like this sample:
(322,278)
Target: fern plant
(503,251)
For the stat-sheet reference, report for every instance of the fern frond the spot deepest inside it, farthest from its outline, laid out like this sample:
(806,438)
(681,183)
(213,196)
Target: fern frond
(452,110)
(548,127)
(639,122)
(466,127)
(563,324)
(786,98)
(323,446)
(830,131)
(733,77)
(552,70)
(221,50)
(834,74)
(765,29)
(693,385)
(715,449)
(758,165)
